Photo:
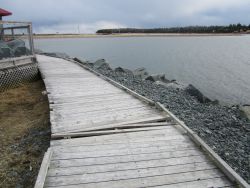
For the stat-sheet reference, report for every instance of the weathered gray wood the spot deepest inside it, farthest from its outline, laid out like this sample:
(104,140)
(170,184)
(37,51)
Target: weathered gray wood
(43,169)
(133,164)
(101,104)
(101,125)
(66,82)
(123,139)
(93,100)
(122,149)
(79,155)
(125,129)
(72,142)
(161,144)
(133,146)
(92,109)
(119,85)
(67,99)
(144,136)
(103,122)
(196,160)
(209,183)
(147,181)
(129,174)
(123,158)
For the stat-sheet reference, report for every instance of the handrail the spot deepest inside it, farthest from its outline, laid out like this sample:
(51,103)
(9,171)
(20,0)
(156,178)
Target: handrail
(16,58)
(15,22)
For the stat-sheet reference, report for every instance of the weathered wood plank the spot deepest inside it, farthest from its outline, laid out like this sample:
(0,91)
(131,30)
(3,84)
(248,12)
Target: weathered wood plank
(87,98)
(122,149)
(162,145)
(127,166)
(79,155)
(124,129)
(98,108)
(133,147)
(43,169)
(128,174)
(108,141)
(159,135)
(142,181)
(92,125)
(93,100)
(123,158)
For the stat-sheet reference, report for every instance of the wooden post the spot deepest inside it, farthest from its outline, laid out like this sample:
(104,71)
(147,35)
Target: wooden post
(30,35)
(1,29)
(12,33)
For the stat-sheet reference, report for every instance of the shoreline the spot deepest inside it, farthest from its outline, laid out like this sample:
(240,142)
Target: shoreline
(60,36)
(223,128)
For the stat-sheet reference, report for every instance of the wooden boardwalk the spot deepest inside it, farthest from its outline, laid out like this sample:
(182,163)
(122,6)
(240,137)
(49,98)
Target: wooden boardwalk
(81,101)
(117,140)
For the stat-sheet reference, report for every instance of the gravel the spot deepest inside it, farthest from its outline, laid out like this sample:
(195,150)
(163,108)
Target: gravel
(223,128)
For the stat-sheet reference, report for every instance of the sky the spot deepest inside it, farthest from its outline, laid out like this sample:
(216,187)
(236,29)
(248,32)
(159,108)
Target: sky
(87,16)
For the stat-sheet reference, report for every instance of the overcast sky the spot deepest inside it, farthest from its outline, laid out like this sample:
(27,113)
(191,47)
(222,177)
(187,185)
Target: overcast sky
(86,16)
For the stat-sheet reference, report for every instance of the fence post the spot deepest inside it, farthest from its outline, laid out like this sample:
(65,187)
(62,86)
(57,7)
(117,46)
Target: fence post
(31,43)
(1,29)
(12,33)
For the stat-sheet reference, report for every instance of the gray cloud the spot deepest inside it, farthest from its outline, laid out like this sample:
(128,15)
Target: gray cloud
(50,16)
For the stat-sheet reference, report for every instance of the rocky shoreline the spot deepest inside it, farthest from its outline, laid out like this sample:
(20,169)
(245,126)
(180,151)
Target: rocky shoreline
(224,128)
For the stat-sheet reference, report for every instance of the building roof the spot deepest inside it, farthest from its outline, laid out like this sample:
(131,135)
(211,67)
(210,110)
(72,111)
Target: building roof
(4,12)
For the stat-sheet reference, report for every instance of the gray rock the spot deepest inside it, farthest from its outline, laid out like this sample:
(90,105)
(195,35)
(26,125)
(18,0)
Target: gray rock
(157,77)
(6,52)
(58,54)
(122,70)
(193,91)
(245,109)
(20,51)
(174,85)
(3,44)
(13,44)
(101,64)
(141,72)
(80,60)
(14,48)
(38,51)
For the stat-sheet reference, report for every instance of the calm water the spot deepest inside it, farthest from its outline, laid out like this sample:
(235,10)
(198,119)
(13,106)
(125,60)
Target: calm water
(219,66)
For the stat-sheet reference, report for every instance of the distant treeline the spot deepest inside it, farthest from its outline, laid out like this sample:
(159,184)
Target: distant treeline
(190,29)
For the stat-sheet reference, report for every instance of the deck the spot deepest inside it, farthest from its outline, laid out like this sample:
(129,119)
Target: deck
(105,135)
